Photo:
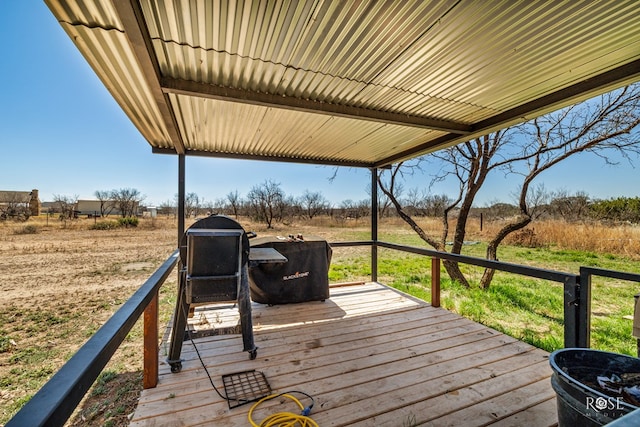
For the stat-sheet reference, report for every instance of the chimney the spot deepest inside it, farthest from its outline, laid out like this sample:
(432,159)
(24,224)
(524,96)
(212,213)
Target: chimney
(34,203)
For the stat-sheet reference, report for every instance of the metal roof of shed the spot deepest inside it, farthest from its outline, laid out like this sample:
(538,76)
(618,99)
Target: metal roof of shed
(364,83)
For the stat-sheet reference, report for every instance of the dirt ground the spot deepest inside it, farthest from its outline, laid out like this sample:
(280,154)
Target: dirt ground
(58,286)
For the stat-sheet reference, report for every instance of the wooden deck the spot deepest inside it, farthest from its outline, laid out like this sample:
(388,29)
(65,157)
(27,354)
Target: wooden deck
(370,356)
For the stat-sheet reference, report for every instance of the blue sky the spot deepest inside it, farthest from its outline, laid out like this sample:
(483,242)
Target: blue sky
(63,134)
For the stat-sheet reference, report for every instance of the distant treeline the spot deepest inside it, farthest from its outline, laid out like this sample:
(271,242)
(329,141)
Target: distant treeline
(268,203)
(577,208)
(625,209)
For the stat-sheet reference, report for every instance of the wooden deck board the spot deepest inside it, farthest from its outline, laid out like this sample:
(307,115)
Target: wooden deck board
(369,356)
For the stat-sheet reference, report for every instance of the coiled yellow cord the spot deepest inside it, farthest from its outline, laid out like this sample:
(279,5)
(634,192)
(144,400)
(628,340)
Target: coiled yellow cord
(282,419)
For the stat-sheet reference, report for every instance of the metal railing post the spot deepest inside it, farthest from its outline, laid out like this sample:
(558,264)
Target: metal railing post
(572,318)
(584,309)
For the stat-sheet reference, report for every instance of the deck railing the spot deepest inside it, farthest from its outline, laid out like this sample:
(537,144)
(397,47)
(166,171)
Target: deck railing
(577,287)
(54,403)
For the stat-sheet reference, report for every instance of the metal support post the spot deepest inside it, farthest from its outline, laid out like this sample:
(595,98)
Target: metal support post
(374,224)
(577,306)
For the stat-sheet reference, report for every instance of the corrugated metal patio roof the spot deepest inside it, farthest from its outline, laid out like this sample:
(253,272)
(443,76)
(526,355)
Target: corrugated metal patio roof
(361,83)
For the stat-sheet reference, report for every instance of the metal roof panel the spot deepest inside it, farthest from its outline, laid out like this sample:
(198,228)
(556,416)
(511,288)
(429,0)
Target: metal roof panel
(461,67)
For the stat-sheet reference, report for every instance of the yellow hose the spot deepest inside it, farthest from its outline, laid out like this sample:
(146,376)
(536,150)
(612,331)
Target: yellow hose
(282,419)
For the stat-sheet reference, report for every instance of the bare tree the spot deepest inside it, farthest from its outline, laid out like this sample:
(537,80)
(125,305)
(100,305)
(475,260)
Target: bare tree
(286,208)
(168,208)
(599,126)
(128,200)
(413,202)
(499,210)
(16,207)
(435,205)
(264,200)
(106,203)
(421,203)
(66,206)
(192,205)
(569,207)
(233,197)
(384,204)
(346,210)
(355,209)
(313,203)
(213,207)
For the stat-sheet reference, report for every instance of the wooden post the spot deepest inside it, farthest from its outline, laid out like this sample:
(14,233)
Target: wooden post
(150,352)
(636,320)
(435,282)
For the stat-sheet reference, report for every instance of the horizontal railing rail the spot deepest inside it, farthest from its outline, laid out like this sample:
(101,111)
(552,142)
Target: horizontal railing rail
(54,403)
(540,273)
(353,243)
(587,274)
(576,319)
(631,419)
(576,305)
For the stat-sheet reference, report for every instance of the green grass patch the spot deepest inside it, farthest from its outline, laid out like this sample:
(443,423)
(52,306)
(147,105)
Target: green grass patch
(25,377)
(101,382)
(5,343)
(528,309)
(18,403)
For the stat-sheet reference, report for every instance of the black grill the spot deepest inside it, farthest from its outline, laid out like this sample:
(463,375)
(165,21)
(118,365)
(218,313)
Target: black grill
(214,255)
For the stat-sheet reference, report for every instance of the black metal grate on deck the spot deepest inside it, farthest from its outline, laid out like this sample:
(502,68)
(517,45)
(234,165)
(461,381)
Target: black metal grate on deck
(245,387)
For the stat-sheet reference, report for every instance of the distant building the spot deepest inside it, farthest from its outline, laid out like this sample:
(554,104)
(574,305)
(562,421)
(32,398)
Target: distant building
(150,212)
(95,207)
(20,199)
(49,207)
(99,208)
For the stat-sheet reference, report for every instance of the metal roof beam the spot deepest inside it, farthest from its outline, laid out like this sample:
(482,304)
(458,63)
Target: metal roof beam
(136,31)
(586,89)
(419,150)
(240,156)
(602,83)
(203,90)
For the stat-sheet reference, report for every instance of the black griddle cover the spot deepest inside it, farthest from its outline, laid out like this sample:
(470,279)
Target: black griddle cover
(305,277)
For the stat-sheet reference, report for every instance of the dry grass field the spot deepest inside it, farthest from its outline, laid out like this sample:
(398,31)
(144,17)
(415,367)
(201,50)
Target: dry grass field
(60,282)
(59,285)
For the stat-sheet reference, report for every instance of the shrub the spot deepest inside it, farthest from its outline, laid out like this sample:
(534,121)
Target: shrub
(5,343)
(121,222)
(130,221)
(27,229)
(105,225)
(526,237)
